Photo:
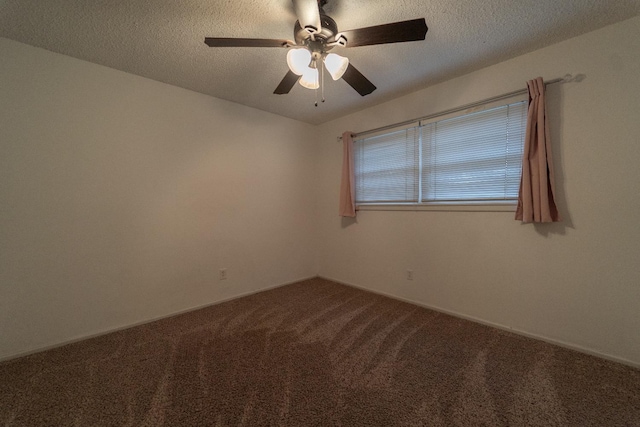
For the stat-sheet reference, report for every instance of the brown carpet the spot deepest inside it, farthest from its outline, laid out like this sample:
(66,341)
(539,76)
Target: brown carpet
(316,353)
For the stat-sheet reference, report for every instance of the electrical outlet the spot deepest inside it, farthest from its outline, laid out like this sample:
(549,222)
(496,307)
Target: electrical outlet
(223,274)
(409,274)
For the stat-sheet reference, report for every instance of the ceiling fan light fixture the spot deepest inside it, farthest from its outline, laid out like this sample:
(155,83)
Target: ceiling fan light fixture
(336,65)
(298,60)
(315,33)
(310,78)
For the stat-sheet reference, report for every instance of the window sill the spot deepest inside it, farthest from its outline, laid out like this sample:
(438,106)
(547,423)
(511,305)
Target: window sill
(509,206)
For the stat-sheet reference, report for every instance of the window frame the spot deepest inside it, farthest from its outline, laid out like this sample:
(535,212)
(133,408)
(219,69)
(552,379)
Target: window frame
(493,205)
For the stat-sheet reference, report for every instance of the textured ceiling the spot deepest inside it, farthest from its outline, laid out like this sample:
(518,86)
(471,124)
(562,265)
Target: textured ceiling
(163,40)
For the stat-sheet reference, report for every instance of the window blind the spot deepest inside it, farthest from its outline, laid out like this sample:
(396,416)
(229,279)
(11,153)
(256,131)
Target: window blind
(474,157)
(387,167)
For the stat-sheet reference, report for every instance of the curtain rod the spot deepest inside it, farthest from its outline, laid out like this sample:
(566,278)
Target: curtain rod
(566,78)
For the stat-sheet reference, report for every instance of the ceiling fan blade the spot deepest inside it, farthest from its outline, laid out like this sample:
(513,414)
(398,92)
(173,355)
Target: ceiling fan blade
(234,42)
(357,81)
(287,83)
(308,14)
(403,31)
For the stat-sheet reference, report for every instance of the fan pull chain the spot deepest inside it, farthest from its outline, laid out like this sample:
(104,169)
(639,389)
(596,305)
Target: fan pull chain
(322,78)
(320,84)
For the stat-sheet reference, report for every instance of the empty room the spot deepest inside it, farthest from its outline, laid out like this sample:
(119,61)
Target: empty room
(320,213)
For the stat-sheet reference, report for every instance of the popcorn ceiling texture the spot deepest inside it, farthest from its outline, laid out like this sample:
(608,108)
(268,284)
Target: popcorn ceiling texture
(163,41)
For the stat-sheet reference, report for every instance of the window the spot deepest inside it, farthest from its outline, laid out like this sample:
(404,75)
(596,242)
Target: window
(469,158)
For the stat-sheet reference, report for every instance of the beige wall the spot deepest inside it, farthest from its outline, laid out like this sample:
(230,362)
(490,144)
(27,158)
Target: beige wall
(121,198)
(576,283)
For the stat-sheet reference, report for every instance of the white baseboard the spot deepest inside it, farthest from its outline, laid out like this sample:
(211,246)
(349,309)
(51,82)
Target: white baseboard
(144,322)
(559,343)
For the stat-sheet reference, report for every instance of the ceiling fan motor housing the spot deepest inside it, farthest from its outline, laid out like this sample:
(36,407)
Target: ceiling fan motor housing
(320,41)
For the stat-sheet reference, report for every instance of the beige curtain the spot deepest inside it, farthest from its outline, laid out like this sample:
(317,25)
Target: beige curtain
(536,200)
(347,185)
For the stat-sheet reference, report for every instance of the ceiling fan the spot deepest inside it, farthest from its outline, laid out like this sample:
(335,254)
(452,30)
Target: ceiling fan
(316,34)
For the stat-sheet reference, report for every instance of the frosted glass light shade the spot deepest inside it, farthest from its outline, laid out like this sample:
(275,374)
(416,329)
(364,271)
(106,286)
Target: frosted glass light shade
(336,65)
(298,60)
(310,78)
